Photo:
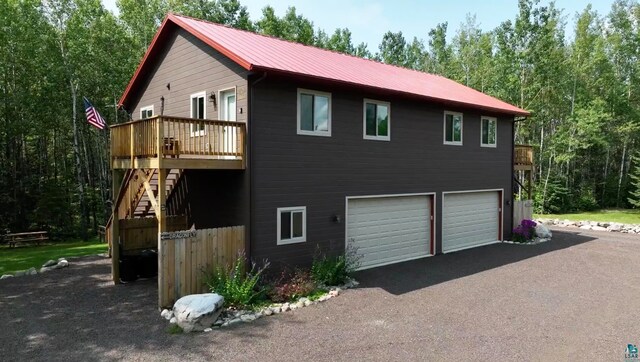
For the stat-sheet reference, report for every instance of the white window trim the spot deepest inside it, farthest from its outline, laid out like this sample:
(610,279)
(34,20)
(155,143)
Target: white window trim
(147,108)
(300,239)
(191,97)
(444,128)
(495,121)
(364,120)
(326,133)
(226,90)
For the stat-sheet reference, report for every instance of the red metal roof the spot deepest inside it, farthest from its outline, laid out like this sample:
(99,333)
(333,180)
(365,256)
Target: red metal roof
(258,52)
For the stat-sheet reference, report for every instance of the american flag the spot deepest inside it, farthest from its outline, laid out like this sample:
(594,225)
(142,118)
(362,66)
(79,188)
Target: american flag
(93,117)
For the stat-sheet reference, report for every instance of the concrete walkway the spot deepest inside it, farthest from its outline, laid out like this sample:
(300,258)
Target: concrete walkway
(576,297)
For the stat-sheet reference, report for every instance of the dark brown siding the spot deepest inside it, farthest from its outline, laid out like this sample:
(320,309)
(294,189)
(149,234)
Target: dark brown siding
(190,66)
(319,172)
(215,197)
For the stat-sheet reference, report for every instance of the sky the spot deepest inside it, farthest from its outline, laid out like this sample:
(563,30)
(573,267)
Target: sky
(368,20)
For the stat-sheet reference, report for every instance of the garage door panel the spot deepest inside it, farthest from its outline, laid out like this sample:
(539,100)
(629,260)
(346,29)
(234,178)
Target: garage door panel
(470,219)
(389,229)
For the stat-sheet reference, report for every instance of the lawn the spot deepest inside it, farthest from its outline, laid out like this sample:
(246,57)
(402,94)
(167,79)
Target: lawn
(625,216)
(21,258)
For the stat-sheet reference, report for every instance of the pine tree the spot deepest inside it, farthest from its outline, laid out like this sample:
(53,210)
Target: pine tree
(634,192)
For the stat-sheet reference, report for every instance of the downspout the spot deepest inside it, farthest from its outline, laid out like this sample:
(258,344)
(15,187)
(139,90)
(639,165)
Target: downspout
(248,163)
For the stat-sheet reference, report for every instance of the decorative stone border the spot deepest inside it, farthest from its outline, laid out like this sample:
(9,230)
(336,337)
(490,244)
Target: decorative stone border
(532,242)
(594,225)
(50,265)
(230,317)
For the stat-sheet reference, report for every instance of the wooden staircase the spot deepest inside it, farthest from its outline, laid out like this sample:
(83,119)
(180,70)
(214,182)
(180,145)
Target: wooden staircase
(134,200)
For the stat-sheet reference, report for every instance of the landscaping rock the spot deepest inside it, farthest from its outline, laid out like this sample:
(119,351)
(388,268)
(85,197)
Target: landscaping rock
(598,228)
(299,304)
(166,314)
(286,307)
(46,269)
(197,311)
(275,310)
(6,276)
(307,303)
(49,263)
(208,330)
(20,273)
(267,311)
(334,292)
(32,271)
(585,227)
(62,264)
(542,231)
(615,227)
(173,320)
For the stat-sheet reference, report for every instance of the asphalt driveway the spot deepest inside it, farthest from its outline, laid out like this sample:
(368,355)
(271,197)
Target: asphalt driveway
(576,297)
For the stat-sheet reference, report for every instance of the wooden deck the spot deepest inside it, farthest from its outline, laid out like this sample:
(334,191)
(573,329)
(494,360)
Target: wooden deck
(163,142)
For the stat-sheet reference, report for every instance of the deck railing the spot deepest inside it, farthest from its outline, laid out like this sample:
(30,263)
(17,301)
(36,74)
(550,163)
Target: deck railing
(175,137)
(523,155)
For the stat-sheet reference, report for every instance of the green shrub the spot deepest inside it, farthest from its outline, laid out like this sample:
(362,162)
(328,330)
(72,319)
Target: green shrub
(334,270)
(292,286)
(239,288)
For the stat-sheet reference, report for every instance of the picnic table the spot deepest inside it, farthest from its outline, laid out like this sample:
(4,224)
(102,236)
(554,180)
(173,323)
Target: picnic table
(26,238)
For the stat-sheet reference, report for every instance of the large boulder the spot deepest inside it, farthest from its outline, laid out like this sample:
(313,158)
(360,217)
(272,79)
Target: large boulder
(197,312)
(543,232)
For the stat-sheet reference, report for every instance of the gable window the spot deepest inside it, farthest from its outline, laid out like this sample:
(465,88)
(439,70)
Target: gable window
(376,120)
(198,111)
(292,225)
(452,128)
(314,113)
(489,132)
(146,112)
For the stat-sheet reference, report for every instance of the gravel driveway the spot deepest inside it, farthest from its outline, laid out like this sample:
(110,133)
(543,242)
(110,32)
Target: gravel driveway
(575,298)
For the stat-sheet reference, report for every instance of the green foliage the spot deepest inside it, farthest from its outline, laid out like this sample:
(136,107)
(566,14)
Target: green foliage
(624,216)
(174,329)
(289,287)
(239,288)
(553,199)
(634,192)
(327,270)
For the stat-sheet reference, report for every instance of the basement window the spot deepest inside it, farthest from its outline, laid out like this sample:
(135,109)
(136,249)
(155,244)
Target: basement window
(489,132)
(292,225)
(452,128)
(377,120)
(314,113)
(146,112)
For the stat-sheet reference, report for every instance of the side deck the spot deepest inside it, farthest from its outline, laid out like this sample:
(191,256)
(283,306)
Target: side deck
(163,142)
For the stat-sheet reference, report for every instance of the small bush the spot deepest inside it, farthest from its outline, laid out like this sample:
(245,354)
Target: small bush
(238,288)
(292,286)
(335,270)
(525,231)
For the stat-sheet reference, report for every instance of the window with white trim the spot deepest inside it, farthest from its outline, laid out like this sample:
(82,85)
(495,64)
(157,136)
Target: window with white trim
(377,120)
(489,131)
(198,111)
(146,112)
(292,225)
(452,128)
(314,113)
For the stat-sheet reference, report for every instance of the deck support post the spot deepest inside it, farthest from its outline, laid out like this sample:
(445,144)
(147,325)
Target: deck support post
(116,181)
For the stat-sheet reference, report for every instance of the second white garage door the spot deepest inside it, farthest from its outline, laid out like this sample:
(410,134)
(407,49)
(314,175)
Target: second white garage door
(388,230)
(470,219)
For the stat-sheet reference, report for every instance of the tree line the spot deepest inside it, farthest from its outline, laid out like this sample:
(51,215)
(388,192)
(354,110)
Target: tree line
(583,91)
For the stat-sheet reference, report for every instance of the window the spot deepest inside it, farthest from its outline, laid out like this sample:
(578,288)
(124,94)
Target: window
(292,225)
(314,113)
(489,131)
(198,111)
(376,120)
(146,112)
(453,128)
(227,107)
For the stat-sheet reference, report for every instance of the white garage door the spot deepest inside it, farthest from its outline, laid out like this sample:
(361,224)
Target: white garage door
(388,230)
(470,219)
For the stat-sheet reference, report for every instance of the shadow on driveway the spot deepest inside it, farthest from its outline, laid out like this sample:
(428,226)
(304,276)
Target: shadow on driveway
(417,274)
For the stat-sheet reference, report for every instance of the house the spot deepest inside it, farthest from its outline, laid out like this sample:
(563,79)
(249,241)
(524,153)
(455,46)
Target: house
(310,149)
